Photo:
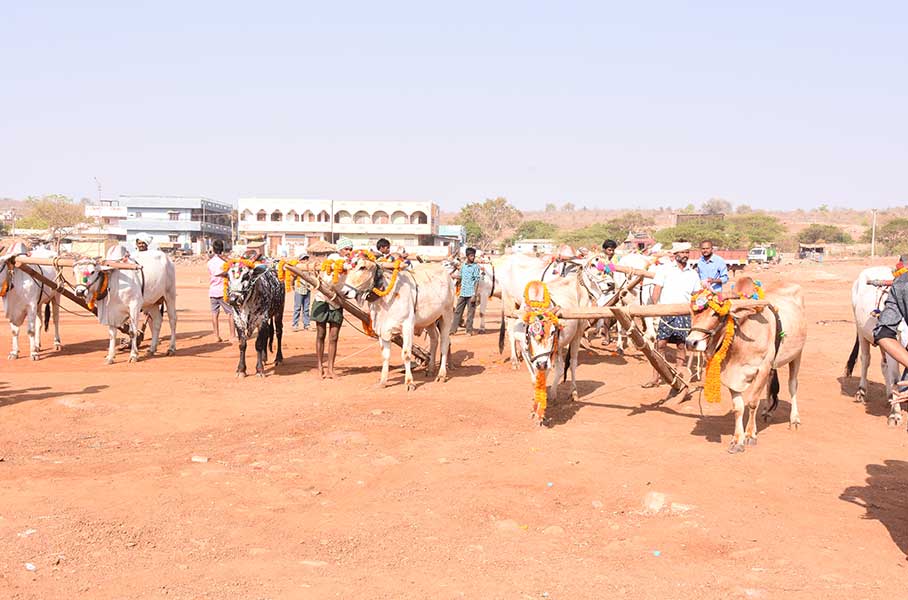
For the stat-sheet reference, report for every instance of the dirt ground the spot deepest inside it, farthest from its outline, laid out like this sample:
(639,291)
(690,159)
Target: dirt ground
(339,490)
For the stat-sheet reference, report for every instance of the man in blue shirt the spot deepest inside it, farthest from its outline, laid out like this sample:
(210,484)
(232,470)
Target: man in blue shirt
(469,277)
(712,269)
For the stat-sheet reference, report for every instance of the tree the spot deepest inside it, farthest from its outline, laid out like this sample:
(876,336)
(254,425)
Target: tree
(743,209)
(828,233)
(753,228)
(568,206)
(486,221)
(633,221)
(535,230)
(694,232)
(716,206)
(550,207)
(893,236)
(55,213)
(689,208)
(593,235)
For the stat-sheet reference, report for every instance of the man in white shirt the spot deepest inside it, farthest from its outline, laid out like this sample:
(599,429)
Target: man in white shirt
(674,283)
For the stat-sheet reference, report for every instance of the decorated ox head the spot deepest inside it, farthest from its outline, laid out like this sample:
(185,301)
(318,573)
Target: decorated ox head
(239,276)
(365,276)
(542,327)
(597,276)
(91,280)
(713,318)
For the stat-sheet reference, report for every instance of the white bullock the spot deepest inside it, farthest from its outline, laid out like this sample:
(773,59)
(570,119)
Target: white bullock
(409,302)
(122,294)
(866,300)
(486,288)
(515,271)
(23,297)
(641,295)
(550,343)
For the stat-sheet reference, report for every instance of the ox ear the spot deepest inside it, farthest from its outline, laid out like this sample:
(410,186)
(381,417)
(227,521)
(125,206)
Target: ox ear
(744,312)
(221,274)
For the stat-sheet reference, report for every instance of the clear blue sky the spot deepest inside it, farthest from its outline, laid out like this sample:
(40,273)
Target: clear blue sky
(773,104)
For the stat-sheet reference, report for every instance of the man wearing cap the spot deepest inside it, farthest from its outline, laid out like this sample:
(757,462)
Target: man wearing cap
(301,297)
(143,240)
(675,283)
(712,269)
(328,317)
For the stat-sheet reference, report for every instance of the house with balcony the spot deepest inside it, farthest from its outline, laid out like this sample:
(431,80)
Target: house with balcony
(289,225)
(188,223)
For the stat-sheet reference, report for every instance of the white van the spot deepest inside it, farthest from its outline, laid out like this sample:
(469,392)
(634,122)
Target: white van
(756,255)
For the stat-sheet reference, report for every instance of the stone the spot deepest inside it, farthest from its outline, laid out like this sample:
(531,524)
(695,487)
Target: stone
(442,461)
(553,530)
(653,502)
(507,525)
(597,504)
(200,459)
(385,461)
(677,508)
(377,412)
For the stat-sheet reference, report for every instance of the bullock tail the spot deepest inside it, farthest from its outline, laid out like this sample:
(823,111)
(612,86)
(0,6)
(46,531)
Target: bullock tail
(849,366)
(271,327)
(567,365)
(501,335)
(773,390)
(46,316)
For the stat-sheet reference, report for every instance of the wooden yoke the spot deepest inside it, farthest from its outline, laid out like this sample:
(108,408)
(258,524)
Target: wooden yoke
(69,262)
(354,309)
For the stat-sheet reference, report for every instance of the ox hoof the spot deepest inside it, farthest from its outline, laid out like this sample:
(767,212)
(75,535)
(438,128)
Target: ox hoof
(34,356)
(149,352)
(735,448)
(751,441)
(13,356)
(574,395)
(133,358)
(441,377)
(109,361)
(58,346)
(411,386)
(860,396)
(241,374)
(794,424)
(894,420)
(260,374)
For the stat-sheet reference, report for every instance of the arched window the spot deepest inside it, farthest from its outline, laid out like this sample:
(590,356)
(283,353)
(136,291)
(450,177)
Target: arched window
(293,216)
(308,217)
(324,217)
(362,218)
(419,218)
(277,216)
(400,218)
(246,215)
(261,215)
(343,216)
(380,217)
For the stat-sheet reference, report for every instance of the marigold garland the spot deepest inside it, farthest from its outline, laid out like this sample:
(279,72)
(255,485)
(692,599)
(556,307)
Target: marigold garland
(382,293)
(102,289)
(899,272)
(540,397)
(4,287)
(289,278)
(334,267)
(546,301)
(713,386)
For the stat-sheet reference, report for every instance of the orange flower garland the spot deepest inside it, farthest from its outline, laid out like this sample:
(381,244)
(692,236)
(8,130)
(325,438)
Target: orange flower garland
(102,289)
(713,383)
(390,286)
(546,301)
(4,288)
(334,267)
(899,272)
(540,398)
(286,276)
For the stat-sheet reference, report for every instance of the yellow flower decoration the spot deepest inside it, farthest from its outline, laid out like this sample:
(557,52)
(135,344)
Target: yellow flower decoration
(713,386)
(229,263)
(390,286)
(286,276)
(334,267)
(540,399)
(102,289)
(899,272)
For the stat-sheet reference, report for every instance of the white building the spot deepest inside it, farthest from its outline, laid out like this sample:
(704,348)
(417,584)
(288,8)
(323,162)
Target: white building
(290,225)
(105,219)
(177,222)
(534,246)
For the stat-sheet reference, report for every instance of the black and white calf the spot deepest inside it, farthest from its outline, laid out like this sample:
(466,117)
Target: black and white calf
(257,298)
